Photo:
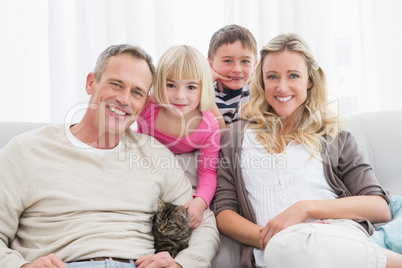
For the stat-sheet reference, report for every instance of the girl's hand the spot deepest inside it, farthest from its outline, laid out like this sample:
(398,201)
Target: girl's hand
(219,78)
(295,214)
(196,209)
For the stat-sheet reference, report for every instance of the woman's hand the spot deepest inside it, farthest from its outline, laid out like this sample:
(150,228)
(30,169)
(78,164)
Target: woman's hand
(295,214)
(196,209)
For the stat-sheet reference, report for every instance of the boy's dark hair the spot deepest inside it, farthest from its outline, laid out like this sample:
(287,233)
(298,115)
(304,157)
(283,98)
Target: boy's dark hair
(230,34)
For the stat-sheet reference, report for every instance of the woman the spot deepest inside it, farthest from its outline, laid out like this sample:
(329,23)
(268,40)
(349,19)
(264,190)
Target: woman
(293,187)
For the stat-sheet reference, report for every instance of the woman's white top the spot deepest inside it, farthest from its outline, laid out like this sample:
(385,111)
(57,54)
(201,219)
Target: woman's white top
(274,182)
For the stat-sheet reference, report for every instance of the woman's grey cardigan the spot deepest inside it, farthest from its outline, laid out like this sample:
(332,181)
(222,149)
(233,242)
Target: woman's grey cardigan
(345,169)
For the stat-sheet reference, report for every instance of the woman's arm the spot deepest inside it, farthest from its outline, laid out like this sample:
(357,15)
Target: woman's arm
(371,208)
(347,169)
(233,225)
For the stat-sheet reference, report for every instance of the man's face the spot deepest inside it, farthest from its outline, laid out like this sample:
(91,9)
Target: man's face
(120,94)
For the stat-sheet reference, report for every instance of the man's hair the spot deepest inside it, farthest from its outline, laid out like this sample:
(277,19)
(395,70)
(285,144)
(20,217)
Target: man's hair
(115,50)
(230,34)
(184,62)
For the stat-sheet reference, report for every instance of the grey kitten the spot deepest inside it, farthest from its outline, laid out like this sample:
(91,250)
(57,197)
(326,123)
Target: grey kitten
(171,228)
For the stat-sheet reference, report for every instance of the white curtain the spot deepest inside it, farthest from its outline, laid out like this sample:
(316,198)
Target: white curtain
(49,46)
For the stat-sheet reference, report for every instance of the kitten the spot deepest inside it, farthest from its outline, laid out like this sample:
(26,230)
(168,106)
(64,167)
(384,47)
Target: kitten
(171,228)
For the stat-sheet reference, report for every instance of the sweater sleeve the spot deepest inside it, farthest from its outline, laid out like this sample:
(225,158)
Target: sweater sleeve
(204,241)
(11,202)
(208,161)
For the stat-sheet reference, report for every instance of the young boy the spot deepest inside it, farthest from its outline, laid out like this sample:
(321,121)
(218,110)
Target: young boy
(232,55)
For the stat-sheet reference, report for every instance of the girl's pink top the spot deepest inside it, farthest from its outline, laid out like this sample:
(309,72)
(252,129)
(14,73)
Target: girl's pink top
(206,138)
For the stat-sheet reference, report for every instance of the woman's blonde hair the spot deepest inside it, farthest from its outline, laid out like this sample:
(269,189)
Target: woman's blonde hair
(314,120)
(184,62)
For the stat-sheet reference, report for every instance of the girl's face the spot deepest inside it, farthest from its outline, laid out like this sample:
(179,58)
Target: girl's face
(183,95)
(286,81)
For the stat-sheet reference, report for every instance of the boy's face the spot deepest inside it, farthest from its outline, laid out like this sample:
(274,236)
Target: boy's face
(235,62)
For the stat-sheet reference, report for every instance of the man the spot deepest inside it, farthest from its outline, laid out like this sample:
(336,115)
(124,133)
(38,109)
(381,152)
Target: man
(85,194)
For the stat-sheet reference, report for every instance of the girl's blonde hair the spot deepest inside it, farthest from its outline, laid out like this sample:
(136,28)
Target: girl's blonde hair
(184,62)
(314,120)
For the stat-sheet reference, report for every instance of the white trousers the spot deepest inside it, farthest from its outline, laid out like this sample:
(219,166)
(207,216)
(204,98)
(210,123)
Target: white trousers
(339,244)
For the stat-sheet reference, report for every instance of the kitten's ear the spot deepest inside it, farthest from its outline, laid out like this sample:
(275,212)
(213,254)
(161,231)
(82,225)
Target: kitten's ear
(180,208)
(161,205)
(182,211)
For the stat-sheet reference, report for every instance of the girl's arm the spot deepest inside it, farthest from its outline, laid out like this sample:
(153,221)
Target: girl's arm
(208,161)
(206,170)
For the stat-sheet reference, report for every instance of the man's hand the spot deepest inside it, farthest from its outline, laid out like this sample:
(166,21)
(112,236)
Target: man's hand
(49,261)
(159,260)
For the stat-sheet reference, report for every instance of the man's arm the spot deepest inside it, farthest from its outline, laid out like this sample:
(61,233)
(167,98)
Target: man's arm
(11,203)
(204,241)
(203,245)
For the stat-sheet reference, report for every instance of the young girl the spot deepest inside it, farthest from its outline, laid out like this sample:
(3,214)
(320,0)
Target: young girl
(178,116)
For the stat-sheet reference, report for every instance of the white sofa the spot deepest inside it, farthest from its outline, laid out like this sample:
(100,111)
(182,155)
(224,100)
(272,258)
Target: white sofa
(378,133)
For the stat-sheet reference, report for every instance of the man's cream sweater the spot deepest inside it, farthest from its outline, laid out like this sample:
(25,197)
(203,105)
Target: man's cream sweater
(57,198)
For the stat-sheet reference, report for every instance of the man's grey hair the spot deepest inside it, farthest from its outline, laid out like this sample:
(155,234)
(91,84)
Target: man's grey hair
(114,50)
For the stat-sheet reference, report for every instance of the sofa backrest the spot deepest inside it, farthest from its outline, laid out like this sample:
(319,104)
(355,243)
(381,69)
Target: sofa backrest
(9,130)
(379,136)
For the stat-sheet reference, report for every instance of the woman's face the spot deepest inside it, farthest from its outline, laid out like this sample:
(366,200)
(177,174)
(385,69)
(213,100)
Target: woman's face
(286,80)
